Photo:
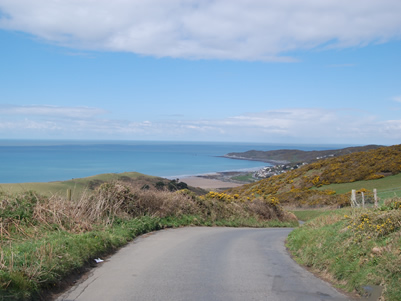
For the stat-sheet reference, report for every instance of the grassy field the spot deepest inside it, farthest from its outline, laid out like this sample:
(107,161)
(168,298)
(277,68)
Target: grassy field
(387,187)
(354,248)
(246,178)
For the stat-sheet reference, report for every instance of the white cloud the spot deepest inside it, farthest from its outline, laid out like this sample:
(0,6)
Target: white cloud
(397,98)
(309,125)
(213,29)
(50,111)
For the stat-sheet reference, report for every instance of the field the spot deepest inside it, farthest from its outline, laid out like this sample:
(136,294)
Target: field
(246,178)
(387,187)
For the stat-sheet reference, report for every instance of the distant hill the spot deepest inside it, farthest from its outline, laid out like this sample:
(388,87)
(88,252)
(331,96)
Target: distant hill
(305,185)
(285,156)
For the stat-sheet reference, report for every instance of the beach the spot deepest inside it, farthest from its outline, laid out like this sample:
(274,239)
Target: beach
(207,183)
(215,181)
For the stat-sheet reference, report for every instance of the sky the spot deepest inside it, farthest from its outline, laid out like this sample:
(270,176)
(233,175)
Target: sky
(277,71)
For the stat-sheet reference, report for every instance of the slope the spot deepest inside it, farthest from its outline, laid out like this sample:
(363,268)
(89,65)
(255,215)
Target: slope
(298,186)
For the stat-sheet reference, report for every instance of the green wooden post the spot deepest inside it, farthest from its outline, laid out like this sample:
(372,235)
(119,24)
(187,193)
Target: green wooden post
(69,194)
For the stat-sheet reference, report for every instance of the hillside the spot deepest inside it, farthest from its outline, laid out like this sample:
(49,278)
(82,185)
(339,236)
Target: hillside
(285,156)
(80,185)
(300,186)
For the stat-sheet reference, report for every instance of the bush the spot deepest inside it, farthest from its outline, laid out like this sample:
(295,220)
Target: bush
(44,240)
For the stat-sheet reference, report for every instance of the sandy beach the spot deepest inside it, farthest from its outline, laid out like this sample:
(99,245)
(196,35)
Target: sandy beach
(208,184)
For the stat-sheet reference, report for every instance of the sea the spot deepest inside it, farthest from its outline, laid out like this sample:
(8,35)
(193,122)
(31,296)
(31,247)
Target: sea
(25,161)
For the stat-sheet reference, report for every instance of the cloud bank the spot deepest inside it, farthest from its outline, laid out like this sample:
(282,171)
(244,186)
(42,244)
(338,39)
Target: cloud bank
(206,29)
(50,111)
(307,125)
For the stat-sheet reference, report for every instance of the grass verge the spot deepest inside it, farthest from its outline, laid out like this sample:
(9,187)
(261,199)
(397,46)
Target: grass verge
(307,215)
(46,239)
(354,250)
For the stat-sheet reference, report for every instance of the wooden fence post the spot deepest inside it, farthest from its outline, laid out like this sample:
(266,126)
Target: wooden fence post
(69,194)
(353,198)
(363,199)
(375,196)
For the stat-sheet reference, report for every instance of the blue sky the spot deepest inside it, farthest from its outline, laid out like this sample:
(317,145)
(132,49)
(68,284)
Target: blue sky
(184,70)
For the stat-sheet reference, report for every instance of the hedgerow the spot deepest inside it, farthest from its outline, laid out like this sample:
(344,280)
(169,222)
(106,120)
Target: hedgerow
(44,239)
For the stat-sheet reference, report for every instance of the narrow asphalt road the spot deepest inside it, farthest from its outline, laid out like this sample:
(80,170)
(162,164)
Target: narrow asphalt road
(203,264)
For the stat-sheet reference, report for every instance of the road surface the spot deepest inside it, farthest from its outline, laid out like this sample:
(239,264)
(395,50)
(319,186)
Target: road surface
(202,263)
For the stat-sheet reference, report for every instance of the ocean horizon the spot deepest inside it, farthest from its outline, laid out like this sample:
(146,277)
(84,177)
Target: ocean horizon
(59,160)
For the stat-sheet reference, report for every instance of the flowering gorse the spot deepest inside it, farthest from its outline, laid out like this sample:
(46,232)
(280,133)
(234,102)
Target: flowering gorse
(376,223)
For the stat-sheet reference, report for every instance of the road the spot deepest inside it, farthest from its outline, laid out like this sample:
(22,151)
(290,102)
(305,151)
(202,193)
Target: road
(202,263)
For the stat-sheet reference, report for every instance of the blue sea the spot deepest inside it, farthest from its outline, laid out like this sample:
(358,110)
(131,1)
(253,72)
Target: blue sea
(44,161)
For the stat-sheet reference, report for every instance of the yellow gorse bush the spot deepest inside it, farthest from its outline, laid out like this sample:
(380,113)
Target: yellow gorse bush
(221,196)
(237,198)
(273,201)
(375,223)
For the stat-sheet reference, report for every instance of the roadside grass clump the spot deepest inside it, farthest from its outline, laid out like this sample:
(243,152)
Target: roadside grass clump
(357,249)
(45,239)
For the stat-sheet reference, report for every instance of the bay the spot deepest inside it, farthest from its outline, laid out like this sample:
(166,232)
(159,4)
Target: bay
(57,160)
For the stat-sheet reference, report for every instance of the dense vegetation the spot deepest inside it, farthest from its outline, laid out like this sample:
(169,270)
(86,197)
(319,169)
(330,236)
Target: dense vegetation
(44,239)
(354,248)
(306,185)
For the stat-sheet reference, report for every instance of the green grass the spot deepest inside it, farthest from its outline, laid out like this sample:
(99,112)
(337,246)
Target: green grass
(307,215)
(354,250)
(246,178)
(387,187)
(35,266)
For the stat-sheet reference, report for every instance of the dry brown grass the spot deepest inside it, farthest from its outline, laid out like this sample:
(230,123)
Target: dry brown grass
(44,239)
(124,201)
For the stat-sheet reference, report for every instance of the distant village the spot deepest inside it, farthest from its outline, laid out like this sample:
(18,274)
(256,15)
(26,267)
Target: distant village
(274,170)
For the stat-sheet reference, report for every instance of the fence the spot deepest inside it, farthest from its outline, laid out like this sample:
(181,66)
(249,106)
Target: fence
(360,199)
